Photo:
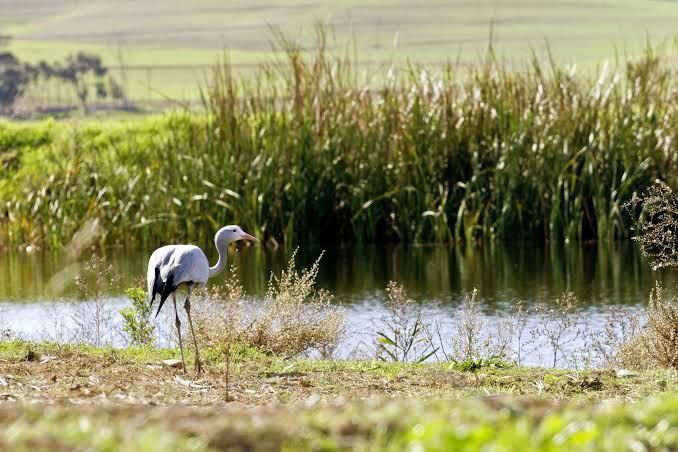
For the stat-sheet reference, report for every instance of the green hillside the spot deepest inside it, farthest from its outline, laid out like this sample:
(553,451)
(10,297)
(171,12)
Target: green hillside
(166,45)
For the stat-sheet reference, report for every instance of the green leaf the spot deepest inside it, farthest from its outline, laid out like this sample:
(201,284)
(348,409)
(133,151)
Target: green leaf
(386,340)
(427,356)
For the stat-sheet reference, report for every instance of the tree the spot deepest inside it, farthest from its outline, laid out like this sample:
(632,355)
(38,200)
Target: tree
(14,78)
(78,70)
(115,89)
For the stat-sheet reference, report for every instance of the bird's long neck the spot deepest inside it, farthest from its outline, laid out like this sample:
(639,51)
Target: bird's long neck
(221,263)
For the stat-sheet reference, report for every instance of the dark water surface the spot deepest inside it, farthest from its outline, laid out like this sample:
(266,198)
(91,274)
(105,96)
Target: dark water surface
(37,292)
(600,275)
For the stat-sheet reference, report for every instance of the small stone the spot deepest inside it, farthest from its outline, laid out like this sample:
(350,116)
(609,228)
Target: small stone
(174,363)
(47,358)
(624,373)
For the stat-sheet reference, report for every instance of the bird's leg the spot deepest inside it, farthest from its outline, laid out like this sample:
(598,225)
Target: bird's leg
(187,306)
(177,323)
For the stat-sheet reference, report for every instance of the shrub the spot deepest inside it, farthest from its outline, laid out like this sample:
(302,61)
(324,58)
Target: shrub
(93,319)
(621,325)
(559,325)
(657,344)
(473,342)
(658,235)
(404,335)
(136,321)
(293,318)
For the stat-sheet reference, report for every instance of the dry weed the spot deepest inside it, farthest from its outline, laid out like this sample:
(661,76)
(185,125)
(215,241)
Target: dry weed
(657,343)
(94,321)
(467,343)
(658,238)
(6,332)
(621,324)
(404,335)
(515,335)
(293,318)
(475,338)
(559,325)
(514,326)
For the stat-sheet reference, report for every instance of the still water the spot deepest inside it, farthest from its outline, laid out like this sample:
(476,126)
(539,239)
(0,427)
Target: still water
(36,288)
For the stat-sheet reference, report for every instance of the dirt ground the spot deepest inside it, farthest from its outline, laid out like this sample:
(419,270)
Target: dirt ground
(266,402)
(32,373)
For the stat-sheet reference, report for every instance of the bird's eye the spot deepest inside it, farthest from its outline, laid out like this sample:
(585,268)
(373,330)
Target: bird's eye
(232,230)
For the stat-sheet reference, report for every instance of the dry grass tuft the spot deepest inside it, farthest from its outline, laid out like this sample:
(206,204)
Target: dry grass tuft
(467,342)
(95,322)
(657,344)
(560,324)
(605,346)
(293,318)
(404,335)
(475,340)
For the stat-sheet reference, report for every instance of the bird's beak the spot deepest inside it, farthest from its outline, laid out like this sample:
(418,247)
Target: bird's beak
(246,236)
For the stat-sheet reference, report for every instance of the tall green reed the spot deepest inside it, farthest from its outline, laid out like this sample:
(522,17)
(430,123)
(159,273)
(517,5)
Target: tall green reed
(311,148)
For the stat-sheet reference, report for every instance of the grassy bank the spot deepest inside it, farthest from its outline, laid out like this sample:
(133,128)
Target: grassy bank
(309,150)
(69,395)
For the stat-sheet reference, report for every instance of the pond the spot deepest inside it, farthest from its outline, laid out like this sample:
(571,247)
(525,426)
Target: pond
(38,295)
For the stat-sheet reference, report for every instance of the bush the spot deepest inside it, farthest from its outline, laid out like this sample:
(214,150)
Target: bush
(136,321)
(658,237)
(404,334)
(657,344)
(293,318)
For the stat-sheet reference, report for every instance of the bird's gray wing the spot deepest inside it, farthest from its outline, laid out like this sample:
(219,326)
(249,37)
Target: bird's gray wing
(176,269)
(173,265)
(159,260)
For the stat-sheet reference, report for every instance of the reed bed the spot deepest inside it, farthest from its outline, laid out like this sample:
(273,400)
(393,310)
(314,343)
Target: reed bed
(312,149)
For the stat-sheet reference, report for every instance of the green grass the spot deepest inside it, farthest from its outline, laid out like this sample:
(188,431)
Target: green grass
(309,151)
(20,349)
(102,369)
(173,33)
(70,396)
(497,424)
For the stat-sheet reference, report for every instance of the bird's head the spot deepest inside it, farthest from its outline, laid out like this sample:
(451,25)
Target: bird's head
(232,233)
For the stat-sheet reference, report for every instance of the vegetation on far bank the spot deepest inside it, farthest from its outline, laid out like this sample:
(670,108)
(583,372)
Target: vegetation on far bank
(308,150)
(75,395)
(161,58)
(82,73)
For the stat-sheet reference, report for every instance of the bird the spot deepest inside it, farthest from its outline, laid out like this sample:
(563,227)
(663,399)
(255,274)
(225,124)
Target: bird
(173,266)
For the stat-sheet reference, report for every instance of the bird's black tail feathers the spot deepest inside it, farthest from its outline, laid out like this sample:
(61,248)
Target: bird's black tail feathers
(167,287)
(157,287)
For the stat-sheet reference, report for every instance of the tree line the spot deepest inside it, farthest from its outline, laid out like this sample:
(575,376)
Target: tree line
(84,72)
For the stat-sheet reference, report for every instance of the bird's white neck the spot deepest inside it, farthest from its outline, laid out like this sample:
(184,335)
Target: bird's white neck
(221,263)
